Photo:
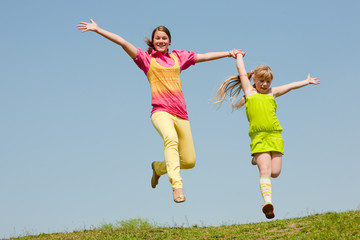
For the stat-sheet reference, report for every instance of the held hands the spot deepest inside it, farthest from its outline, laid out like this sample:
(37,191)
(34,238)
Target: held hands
(312,80)
(235,52)
(84,26)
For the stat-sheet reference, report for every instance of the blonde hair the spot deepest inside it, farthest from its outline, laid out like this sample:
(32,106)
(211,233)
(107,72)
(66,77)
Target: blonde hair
(263,72)
(232,86)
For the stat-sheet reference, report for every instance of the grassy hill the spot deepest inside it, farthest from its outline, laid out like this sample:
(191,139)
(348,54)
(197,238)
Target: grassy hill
(331,225)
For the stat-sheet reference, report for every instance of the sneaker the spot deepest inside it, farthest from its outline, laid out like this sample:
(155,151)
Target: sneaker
(155,177)
(268,210)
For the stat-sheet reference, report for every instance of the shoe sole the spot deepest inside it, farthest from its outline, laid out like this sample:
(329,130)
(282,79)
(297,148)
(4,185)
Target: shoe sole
(268,210)
(154,181)
(179,199)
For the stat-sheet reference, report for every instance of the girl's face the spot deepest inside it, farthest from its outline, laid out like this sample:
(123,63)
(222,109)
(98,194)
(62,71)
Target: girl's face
(161,41)
(262,86)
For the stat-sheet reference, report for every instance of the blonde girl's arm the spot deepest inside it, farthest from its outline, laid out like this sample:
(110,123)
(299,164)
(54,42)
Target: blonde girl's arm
(213,56)
(92,26)
(245,82)
(281,90)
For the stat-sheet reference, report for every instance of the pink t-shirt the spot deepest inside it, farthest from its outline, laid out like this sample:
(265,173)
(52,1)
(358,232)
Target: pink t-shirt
(185,59)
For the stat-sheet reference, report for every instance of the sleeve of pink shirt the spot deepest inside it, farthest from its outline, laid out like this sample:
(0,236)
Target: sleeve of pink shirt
(142,60)
(186,58)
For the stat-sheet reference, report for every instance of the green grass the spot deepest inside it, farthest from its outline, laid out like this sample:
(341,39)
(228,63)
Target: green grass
(330,225)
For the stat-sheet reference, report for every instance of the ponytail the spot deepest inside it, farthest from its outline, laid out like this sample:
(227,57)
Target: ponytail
(150,45)
(249,74)
(231,87)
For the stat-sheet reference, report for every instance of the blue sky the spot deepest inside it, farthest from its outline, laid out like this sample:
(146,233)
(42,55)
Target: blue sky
(76,140)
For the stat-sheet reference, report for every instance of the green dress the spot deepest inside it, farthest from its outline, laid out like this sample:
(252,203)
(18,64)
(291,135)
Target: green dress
(265,129)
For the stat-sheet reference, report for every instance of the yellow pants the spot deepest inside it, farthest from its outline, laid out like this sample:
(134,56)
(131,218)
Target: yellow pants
(179,149)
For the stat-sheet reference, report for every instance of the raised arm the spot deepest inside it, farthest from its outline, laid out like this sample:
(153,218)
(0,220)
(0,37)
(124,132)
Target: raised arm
(213,56)
(92,26)
(245,82)
(281,90)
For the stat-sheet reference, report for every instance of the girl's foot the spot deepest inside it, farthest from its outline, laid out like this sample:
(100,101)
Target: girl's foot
(178,195)
(155,177)
(253,161)
(268,210)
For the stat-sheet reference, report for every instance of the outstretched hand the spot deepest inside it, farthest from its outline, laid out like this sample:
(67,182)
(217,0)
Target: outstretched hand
(84,26)
(312,80)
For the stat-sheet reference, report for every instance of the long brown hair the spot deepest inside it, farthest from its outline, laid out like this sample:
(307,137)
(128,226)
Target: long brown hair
(150,42)
(232,86)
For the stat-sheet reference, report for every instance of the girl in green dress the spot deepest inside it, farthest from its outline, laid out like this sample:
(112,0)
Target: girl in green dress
(267,145)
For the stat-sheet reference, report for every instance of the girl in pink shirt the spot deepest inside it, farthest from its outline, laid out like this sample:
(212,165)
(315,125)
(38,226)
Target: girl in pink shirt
(168,115)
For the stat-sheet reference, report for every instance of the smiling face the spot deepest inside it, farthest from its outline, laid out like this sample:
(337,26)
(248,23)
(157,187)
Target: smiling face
(161,41)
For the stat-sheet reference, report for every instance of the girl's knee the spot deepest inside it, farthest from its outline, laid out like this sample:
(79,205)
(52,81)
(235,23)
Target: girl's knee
(188,163)
(275,174)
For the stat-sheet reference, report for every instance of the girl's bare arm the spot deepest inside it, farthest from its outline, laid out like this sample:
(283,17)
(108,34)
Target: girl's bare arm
(92,26)
(213,56)
(281,90)
(245,82)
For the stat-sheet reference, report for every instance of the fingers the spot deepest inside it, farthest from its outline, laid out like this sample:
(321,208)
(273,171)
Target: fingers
(83,25)
(311,78)
(232,53)
(241,52)
(236,52)
(314,81)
